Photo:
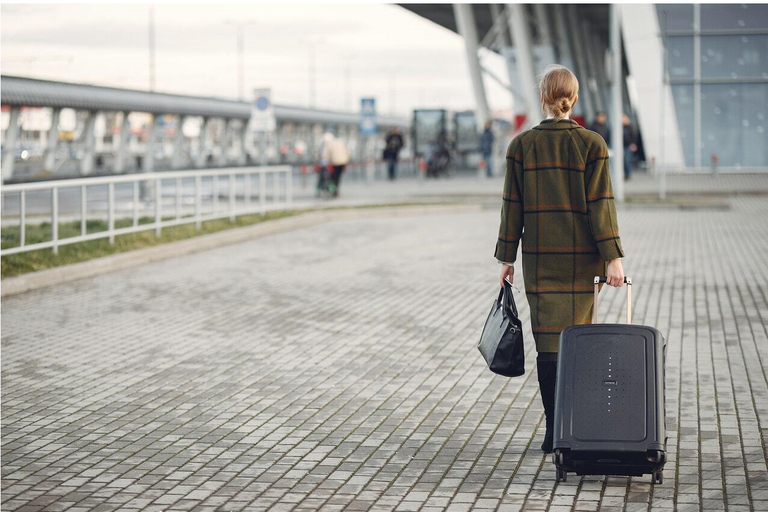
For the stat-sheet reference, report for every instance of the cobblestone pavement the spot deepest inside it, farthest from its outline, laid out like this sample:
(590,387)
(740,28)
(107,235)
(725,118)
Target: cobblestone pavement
(335,368)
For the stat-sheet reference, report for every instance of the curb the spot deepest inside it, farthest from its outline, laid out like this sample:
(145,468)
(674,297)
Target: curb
(64,274)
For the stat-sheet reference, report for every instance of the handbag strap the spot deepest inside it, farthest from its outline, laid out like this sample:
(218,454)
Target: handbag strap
(508,299)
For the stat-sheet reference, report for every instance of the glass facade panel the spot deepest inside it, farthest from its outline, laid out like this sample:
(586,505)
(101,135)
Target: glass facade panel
(680,57)
(683,98)
(733,124)
(734,16)
(735,57)
(678,16)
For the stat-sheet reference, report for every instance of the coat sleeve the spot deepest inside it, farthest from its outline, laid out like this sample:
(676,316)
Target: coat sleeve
(601,207)
(511,228)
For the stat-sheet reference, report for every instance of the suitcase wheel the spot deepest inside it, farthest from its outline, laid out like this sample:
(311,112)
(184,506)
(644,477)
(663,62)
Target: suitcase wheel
(658,476)
(562,475)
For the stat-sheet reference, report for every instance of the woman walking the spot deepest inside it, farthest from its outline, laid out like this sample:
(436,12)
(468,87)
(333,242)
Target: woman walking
(558,200)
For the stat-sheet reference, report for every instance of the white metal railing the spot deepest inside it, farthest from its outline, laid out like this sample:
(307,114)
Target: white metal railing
(242,198)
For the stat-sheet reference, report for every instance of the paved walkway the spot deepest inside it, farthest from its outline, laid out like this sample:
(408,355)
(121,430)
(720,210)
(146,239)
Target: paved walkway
(336,367)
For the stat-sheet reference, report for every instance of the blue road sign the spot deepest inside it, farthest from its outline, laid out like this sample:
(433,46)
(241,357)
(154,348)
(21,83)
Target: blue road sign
(368,116)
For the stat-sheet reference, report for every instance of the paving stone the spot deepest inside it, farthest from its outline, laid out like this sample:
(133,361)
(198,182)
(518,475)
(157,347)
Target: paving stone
(335,367)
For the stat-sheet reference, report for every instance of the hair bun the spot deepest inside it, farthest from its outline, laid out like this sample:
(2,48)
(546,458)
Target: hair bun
(565,105)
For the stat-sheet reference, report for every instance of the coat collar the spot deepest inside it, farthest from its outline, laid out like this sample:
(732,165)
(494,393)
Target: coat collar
(552,124)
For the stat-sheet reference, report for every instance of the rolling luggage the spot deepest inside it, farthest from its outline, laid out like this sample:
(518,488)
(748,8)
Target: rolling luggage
(609,403)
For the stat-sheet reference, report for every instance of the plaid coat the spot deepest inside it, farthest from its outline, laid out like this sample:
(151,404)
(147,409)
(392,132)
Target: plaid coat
(558,200)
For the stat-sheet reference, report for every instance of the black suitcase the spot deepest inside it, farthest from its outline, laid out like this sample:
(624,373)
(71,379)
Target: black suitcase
(609,403)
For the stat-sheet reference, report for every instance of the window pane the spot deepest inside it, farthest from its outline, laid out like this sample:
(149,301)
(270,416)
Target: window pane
(734,56)
(680,57)
(733,124)
(678,16)
(683,98)
(734,16)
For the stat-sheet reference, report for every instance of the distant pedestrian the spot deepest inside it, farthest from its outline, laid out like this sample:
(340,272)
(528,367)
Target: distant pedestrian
(336,155)
(486,147)
(600,125)
(631,139)
(394,143)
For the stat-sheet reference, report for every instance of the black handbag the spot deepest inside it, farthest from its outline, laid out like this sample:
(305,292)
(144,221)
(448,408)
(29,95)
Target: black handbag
(501,343)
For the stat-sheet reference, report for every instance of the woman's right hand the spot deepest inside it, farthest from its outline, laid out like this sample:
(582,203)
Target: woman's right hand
(615,273)
(507,271)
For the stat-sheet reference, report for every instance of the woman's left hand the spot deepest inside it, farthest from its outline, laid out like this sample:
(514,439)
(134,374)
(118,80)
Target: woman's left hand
(507,271)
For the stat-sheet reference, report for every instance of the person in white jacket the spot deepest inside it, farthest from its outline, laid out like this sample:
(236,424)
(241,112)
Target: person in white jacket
(335,154)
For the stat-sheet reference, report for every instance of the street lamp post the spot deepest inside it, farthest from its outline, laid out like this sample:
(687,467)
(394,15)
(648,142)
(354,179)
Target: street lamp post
(240,35)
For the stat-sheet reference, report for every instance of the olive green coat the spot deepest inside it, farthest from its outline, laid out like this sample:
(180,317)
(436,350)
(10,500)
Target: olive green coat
(558,200)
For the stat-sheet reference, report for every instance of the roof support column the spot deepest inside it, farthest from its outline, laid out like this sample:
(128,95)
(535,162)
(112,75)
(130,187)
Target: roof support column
(521,38)
(242,158)
(564,45)
(125,134)
(582,72)
(53,139)
(591,55)
(465,21)
(89,143)
(178,143)
(149,153)
(225,140)
(202,142)
(617,128)
(11,136)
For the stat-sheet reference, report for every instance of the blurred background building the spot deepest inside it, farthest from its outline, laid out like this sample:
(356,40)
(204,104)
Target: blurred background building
(694,79)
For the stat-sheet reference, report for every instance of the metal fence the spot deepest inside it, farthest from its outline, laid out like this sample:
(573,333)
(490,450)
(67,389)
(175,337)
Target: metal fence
(150,201)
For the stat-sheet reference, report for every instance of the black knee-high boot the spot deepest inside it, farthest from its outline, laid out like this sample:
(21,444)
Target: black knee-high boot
(546,365)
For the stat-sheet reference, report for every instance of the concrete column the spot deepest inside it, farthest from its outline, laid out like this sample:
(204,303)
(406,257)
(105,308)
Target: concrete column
(178,144)
(53,140)
(582,72)
(465,21)
(225,140)
(89,143)
(563,46)
(149,153)
(11,137)
(522,39)
(496,14)
(202,143)
(542,23)
(592,56)
(122,148)
(242,159)
(697,86)
(617,128)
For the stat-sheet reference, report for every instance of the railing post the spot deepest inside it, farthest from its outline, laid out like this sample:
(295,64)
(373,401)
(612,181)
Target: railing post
(198,203)
(111,215)
(83,210)
(289,189)
(178,198)
(135,203)
(262,192)
(158,206)
(55,219)
(232,197)
(23,219)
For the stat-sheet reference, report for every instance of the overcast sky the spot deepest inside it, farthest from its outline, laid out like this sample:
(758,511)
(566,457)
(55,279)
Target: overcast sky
(401,59)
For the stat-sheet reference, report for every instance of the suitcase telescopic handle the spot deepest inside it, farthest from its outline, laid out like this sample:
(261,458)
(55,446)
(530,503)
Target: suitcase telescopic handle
(603,279)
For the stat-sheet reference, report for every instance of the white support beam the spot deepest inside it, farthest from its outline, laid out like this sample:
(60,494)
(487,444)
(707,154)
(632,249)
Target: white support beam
(465,21)
(617,128)
(582,71)
(52,143)
(122,148)
(177,160)
(11,137)
(521,38)
(242,158)
(225,141)
(149,153)
(89,144)
(202,153)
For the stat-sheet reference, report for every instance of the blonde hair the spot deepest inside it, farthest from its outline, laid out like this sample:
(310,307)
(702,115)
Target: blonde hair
(558,87)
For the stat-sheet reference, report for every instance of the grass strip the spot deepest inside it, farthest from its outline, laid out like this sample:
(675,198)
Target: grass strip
(32,261)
